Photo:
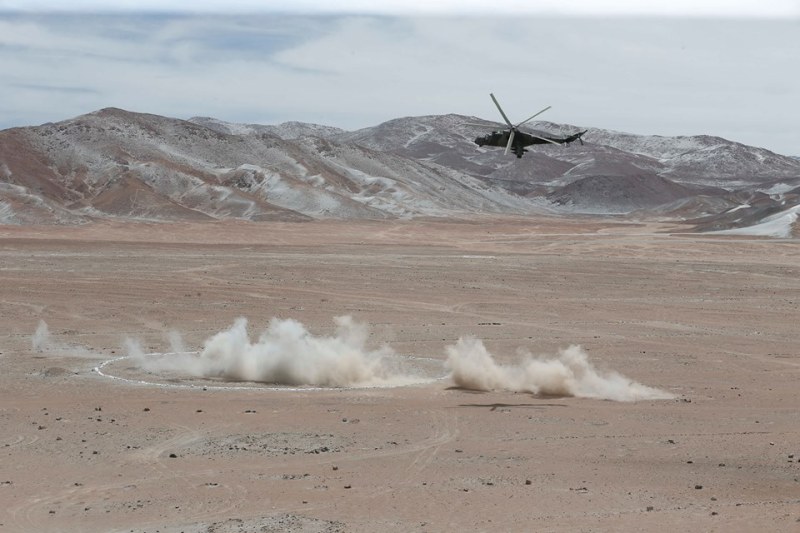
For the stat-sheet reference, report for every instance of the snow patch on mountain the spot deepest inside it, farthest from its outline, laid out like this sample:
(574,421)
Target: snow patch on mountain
(286,130)
(780,225)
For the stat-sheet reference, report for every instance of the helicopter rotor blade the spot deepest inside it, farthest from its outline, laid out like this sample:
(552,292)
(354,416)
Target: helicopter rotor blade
(510,141)
(510,125)
(534,116)
(545,139)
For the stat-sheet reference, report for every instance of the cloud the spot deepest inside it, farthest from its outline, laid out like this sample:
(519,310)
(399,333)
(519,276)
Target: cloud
(724,8)
(53,88)
(656,76)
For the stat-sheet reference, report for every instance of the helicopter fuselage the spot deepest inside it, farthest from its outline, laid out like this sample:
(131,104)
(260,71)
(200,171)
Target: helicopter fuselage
(514,140)
(522,139)
(500,139)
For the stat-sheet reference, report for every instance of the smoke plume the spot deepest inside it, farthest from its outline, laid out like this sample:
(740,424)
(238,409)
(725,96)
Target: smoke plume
(287,354)
(568,374)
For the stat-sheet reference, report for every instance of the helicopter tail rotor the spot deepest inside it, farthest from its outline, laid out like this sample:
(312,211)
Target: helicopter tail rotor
(576,137)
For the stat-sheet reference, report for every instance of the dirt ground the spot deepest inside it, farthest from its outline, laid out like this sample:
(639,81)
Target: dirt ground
(712,320)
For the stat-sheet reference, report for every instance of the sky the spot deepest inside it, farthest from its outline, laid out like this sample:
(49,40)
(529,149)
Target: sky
(716,67)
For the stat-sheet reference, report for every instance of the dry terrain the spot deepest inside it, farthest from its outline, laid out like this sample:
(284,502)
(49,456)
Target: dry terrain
(711,320)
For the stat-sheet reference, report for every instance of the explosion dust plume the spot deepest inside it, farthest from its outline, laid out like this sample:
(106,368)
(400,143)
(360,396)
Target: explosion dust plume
(568,374)
(43,342)
(286,354)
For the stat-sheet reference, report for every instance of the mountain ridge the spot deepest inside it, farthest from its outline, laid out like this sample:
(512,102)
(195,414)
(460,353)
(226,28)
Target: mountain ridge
(119,164)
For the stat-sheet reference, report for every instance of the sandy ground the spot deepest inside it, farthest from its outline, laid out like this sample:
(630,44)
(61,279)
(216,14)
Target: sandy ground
(712,320)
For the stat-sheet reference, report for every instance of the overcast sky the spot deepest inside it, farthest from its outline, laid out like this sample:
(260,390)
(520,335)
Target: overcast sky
(720,67)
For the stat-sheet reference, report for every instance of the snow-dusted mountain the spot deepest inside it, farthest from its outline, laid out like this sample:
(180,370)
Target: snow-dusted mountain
(113,163)
(287,130)
(117,164)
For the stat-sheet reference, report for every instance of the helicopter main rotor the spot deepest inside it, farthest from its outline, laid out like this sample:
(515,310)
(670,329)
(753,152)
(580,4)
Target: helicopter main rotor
(514,128)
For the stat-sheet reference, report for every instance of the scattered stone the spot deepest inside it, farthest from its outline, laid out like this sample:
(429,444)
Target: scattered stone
(348,486)
(528,482)
(146,409)
(714,513)
(334,467)
(670,441)
(698,487)
(172,456)
(649,508)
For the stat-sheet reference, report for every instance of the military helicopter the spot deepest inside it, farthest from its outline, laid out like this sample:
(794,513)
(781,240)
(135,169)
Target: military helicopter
(515,140)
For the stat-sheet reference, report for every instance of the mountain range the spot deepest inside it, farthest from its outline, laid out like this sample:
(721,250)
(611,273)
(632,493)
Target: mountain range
(116,164)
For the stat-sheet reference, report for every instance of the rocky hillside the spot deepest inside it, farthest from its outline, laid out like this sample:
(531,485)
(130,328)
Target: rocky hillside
(117,164)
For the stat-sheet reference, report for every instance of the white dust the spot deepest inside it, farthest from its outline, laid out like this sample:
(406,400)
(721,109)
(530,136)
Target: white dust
(41,337)
(43,342)
(286,353)
(568,374)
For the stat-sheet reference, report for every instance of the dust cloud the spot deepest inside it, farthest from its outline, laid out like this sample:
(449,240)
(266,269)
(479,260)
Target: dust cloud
(41,340)
(286,353)
(568,374)
(43,343)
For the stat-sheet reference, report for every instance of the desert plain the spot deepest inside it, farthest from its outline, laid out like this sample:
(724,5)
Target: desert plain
(90,442)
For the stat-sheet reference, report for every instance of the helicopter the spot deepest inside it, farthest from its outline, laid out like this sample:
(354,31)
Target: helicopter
(515,140)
